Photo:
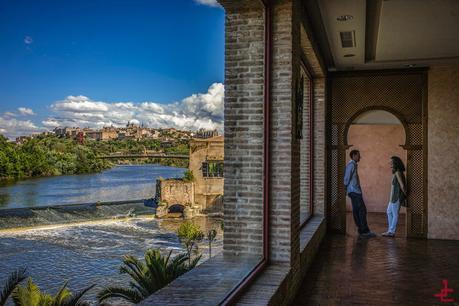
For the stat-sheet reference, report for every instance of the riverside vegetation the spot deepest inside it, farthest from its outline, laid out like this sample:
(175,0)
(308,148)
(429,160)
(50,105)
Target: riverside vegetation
(147,276)
(48,155)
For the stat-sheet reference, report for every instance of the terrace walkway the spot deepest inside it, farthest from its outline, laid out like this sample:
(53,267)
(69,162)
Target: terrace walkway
(380,271)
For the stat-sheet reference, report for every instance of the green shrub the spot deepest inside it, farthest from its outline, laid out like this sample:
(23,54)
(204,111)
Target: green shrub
(188,176)
(190,234)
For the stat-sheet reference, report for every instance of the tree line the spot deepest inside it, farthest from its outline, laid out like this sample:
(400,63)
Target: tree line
(49,155)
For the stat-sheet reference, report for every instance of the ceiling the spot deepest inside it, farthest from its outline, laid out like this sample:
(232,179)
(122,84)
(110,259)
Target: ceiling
(386,33)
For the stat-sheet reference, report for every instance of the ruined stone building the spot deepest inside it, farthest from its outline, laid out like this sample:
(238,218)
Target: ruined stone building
(203,194)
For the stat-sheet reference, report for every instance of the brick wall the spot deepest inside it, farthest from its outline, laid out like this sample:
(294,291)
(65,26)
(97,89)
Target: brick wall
(244,66)
(284,195)
(244,129)
(320,159)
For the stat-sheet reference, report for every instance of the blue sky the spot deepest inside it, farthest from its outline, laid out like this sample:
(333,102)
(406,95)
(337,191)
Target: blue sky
(62,61)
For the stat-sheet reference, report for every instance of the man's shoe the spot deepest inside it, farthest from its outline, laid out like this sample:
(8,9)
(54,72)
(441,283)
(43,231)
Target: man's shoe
(385,234)
(389,234)
(368,235)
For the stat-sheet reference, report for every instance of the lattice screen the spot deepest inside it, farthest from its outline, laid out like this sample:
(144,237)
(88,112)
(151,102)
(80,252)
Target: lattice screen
(416,218)
(399,93)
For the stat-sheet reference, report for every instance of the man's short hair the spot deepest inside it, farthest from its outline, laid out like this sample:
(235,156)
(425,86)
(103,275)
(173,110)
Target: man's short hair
(354,153)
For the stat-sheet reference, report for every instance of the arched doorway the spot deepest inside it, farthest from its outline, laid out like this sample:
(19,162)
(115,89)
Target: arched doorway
(378,135)
(404,95)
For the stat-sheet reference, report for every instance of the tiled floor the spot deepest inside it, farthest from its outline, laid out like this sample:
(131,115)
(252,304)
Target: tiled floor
(380,271)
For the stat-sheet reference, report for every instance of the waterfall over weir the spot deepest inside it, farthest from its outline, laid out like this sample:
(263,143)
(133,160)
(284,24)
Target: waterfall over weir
(61,214)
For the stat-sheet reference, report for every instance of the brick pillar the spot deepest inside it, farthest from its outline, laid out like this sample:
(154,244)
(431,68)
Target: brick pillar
(244,98)
(285,161)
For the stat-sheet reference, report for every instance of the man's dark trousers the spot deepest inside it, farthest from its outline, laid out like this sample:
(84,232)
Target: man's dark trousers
(359,211)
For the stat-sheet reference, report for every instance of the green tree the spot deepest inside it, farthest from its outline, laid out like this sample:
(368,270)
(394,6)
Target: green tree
(190,234)
(148,276)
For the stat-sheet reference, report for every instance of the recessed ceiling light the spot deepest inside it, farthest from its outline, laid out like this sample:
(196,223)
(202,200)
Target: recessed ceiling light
(349,55)
(345,17)
(410,65)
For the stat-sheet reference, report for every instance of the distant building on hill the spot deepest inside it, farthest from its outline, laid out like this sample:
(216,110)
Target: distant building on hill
(202,133)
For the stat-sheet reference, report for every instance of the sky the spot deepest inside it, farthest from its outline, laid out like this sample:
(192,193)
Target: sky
(94,63)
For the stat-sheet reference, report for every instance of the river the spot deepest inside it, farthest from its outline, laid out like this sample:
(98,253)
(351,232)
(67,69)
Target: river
(120,183)
(91,253)
(88,253)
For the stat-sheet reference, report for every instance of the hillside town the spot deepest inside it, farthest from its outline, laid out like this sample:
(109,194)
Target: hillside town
(133,131)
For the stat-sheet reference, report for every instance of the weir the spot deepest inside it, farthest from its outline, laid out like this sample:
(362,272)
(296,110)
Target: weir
(61,214)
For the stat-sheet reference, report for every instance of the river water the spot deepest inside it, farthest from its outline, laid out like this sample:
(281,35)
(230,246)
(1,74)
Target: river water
(117,184)
(88,253)
(91,253)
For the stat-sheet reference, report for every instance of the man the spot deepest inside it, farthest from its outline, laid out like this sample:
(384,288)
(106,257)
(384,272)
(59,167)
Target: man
(354,191)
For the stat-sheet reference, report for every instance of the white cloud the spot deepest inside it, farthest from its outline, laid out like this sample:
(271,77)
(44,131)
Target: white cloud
(209,104)
(212,3)
(25,111)
(28,40)
(51,123)
(79,104)
(9,114)
(202,110)
(11,127)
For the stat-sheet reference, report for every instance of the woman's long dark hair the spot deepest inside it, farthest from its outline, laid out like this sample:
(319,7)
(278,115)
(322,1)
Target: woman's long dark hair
(398,164)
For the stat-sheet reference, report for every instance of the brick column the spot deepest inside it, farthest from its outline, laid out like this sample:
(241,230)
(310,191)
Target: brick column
(244,67)
(285,161)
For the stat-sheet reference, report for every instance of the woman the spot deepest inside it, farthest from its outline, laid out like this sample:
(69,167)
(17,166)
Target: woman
(397,195)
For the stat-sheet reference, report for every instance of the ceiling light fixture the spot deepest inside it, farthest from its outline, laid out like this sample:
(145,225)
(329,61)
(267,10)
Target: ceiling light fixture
(349,55)
(410,65)
(345,18)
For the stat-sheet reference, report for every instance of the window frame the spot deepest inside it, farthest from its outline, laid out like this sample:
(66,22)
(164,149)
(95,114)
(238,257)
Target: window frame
(205,169)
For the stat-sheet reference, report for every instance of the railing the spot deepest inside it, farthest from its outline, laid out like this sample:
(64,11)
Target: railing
(153,155)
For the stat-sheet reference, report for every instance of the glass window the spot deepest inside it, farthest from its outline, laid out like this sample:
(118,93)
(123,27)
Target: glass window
(212,169)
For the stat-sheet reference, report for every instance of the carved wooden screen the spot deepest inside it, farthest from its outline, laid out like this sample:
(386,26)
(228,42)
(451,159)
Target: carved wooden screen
(404,95)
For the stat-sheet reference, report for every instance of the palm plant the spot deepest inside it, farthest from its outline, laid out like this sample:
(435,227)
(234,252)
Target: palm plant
(148,276)
(11,283)
(31,295)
